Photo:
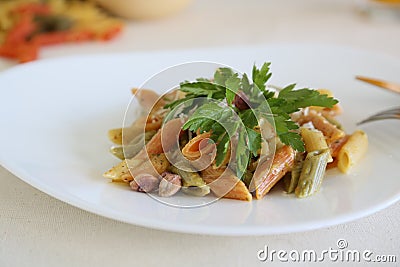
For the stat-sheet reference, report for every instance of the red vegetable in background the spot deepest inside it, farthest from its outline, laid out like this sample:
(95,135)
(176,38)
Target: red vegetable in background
(37,26)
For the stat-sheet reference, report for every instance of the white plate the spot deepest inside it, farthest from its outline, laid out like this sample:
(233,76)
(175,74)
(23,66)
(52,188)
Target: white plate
(55,115)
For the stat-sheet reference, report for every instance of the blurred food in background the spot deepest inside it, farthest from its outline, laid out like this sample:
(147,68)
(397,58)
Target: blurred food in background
(383,9)
(144,9)
(26,25)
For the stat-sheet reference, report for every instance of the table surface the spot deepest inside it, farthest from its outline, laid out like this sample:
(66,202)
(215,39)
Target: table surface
(38,230)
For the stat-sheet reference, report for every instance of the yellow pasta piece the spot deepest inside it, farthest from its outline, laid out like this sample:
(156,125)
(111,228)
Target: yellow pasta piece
(129,168)
(352,151)
(314,140)
(115,135)
(120,172)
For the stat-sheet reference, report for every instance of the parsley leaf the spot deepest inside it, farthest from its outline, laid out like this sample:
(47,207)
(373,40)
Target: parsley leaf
(261,76)
(221,119)
(221,75)
(301,98)
(225,126)
(254,141)
(232,87)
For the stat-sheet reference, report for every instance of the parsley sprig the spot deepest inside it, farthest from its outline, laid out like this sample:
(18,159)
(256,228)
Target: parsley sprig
(228,123)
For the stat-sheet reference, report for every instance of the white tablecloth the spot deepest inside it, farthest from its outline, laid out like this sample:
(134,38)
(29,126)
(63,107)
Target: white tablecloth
(38,230)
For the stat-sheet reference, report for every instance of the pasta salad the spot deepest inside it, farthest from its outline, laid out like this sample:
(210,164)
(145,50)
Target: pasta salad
(233,136)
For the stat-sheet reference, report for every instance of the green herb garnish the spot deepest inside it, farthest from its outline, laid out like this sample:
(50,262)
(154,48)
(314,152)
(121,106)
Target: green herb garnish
(233,105)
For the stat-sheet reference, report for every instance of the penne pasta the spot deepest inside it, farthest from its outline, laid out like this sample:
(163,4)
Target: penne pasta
(133,148)
(153,122)
(292,179)
(135,129)
(192,149)
(26,25)
(120,172)
(148,99)
(166,138)
(337,145)
(312,173)
(115,135)
(330,131)
(126,170)
(265,178)
(352,151)
(200,151)
(314,140)
(224,183)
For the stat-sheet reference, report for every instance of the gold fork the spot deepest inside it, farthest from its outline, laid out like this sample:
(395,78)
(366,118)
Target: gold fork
(383,84)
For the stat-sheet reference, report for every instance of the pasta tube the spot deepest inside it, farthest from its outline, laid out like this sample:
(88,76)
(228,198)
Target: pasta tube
(153,122)
(291,180)
(312,173)
(314,140)
(264,179)
(125,135)
(224,183)
(191,150)
(115,135)
(336,146)
(352,151)
(120,172)
(192,182)
(148,99)
(129,168)
(130,150)
(332,120)
(330,131)
(200,151)
(165,138)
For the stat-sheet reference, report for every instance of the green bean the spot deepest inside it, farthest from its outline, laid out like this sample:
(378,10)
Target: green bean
(192,183)
(312,173)
(133,147)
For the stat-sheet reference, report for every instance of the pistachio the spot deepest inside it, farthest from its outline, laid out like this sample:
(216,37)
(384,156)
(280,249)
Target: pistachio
(169,185)
(144,183)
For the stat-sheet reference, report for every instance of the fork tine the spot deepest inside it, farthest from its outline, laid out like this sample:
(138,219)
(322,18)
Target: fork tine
(389,111)
(392,113)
